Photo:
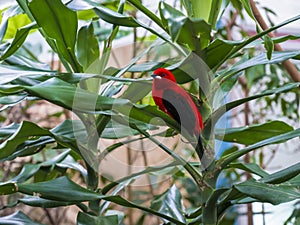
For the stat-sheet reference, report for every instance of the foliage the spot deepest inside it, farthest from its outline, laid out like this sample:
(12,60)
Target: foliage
(95,93)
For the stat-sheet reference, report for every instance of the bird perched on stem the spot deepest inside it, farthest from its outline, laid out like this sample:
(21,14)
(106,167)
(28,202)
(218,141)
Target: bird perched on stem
(177,103)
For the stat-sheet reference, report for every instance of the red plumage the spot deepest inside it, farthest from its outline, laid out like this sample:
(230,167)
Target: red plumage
(176,102)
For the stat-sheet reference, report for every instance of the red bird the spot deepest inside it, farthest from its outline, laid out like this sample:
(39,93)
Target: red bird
(177,103)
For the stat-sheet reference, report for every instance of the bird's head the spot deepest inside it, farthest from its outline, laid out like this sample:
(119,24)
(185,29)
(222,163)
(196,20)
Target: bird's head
(163,73)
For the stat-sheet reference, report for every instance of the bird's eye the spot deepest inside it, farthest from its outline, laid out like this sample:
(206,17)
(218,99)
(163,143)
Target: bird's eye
(162,74)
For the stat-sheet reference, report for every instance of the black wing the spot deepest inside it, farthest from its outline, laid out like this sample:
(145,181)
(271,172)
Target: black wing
(180,110)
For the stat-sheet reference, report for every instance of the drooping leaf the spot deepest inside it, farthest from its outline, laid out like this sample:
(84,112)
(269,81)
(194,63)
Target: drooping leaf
(123,202)
(272,193)
(169,203)
(253,133)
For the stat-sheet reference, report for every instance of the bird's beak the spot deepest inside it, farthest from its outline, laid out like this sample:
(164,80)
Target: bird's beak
(155,76)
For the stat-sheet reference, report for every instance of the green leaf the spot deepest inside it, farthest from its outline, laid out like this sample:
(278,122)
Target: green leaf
(7,188)
(260,59)
(254,133)
(86,219)
(17,218)
(60,24)
(12,21)
(10,73)
(147,114)
(273,140)
(148,170)
(10,12)
(10,89)
(27,131)
(11,99)
(173,19)
(248,9)
(228,106)
(217,50)
(195,33)
(191,68)
(65,190)
(214,12)
(73,98)
(282,175)
(28,138)
(250,167)
(251,40)
(60,189)
(119,19)
(87,46)
(6,131)
(198,8)
(123,202)
(27,172)
(18,40)
(285,38)
(269,46)
(137,91)
(272,193)
(35,201)
(169,203)
(254,74)
(116,18)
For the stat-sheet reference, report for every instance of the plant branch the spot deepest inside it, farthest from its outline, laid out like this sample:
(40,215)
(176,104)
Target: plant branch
(288,65)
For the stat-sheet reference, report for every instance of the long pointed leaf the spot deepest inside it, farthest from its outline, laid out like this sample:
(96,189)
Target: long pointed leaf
(273,140)
(60,24)
(274,194)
